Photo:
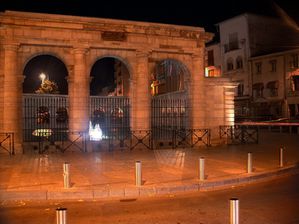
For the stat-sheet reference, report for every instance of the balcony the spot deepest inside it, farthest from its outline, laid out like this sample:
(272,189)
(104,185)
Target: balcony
(293,93)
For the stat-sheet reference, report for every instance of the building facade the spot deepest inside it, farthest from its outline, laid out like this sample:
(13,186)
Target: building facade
(275,85)
(242,39)
(79,42)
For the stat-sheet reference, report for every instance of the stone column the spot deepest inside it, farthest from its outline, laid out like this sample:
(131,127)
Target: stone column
(141,103)
(197,93)
(229,104)
(79,92)
(12,86)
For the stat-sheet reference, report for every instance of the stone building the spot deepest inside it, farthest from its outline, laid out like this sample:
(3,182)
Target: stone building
(244,37)
(79,42)
(275,84)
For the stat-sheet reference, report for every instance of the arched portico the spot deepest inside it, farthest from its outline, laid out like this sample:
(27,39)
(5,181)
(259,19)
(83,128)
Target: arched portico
(79,42)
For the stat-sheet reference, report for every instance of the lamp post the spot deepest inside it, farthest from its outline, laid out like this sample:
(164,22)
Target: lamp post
(42,76)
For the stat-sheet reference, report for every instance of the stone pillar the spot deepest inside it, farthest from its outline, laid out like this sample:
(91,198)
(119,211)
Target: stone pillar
(229,105)
(141,104)
(79,92)
(12,88)
(197,93)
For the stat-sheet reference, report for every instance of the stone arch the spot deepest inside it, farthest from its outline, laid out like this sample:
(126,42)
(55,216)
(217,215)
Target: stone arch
(33,52)
(122,61)
(52,57)
(117,56)
(175,67)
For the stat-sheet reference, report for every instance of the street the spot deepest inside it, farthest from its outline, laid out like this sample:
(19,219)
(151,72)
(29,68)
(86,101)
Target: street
(272,202)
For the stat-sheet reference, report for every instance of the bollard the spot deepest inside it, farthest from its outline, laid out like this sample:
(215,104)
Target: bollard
(138,174)
(249,163)
(61,216)
(234,211)
(66,175)
(201,168)
(281,156)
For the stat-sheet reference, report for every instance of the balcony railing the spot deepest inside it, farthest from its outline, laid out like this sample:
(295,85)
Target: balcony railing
(293,93)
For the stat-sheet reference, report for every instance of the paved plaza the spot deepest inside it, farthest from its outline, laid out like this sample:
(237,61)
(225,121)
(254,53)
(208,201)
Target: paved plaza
(108,174)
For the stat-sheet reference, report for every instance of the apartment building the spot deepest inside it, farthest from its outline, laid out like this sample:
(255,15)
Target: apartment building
(256,52)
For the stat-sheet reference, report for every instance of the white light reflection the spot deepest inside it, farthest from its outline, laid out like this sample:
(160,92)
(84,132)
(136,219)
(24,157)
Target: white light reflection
(95,133)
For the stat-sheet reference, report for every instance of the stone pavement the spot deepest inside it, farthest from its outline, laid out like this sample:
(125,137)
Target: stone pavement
(105,174)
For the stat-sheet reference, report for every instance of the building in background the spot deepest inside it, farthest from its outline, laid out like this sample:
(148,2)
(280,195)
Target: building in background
(256,52)
(275,84)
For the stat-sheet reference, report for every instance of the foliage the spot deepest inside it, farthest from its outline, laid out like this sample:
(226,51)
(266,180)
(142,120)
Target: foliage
(48,87)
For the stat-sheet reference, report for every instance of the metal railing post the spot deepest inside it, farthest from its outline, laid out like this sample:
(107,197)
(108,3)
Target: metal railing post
(249,163)
(61,217)
(201,170)
(138,173)
(66,175)
(234,211)
(281,156)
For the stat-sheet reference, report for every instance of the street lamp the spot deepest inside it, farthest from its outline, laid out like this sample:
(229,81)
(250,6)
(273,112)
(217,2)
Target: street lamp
(42,76)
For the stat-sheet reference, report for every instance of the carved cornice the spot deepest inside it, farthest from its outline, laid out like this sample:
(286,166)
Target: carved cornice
(80,50)
(143,53)
(10,46)
(45,21)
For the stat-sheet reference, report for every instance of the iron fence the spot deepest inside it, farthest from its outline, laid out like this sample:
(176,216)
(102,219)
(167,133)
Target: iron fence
(238,134)
(45,114)
(112,115)
(169,112)
(192,137)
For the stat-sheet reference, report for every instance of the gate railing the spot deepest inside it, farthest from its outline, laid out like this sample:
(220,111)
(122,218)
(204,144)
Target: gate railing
(238,134)
(191,137)
(180,137)
(62,140)
(7,142)
(141,138)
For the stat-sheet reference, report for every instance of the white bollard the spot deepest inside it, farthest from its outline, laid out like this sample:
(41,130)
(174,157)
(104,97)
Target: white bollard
(66,175)
(281,156)
(249,163)
(234,211)
(201,170)
(138,173)
(61,216)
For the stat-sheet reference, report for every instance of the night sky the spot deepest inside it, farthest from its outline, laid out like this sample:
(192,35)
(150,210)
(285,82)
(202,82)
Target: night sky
(191,13)
(194,13)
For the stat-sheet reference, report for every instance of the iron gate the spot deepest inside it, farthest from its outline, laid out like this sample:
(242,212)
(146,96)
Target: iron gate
(169,115)
(112,115)
(45,116)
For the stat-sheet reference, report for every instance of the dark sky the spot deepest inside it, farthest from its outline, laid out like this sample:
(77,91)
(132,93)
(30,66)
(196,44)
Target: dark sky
(183,12)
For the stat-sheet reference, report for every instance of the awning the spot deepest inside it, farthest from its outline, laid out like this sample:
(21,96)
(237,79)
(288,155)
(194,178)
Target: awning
(258,85)
(272,85)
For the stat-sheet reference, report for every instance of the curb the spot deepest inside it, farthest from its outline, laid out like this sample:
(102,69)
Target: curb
(145,191)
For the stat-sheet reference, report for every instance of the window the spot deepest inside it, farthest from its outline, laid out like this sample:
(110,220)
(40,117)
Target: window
(273,65)
(295,83)
(273,88)
(239,62)
(292,110)
(240,89)
(230,64)
(211,73)
(294,61)
(210,57)
(233,41)
(258,67)
(258,90)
